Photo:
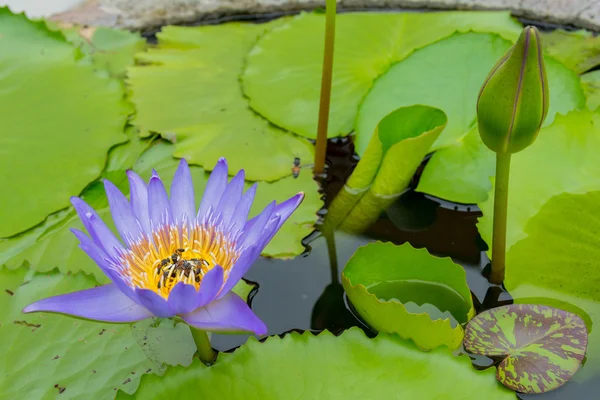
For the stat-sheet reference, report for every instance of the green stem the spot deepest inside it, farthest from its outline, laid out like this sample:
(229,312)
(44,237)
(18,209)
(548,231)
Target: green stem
(205,351)
(321,144)
(500,213)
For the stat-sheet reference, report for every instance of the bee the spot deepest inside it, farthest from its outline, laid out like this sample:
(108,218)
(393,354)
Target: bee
(296,167)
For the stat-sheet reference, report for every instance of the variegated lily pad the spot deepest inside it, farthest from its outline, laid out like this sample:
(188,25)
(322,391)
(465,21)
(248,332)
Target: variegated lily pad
(543,346)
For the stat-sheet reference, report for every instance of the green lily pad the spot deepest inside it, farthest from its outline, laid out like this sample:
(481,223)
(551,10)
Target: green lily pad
(562,159)
(50,118)
(543,346)
(70,356)
(403,290)
(395,151)
(312,367)
(461,172)
(558,261)
(443,75)
(187,89)
(579,50)
(51,244)
(590,83)
(289,59)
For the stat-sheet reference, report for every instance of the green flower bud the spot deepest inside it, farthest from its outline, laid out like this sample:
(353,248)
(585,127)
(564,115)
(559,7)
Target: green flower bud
(513,101)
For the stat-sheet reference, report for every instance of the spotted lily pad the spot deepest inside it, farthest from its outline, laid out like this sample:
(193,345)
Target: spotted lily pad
(396,150)
(57,109)
(543,347)
(282,77)
(52,245)
(187,89)
(399,289)
(308,367)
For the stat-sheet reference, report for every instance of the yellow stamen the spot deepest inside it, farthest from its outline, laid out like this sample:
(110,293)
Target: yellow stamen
(178,255)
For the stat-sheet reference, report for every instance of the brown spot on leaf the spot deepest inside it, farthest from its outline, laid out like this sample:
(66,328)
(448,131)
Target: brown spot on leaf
(148,370)
(126,381)
(56,357)
(10,292)
(25,323)
(94,371)
(60,389)
(102,332)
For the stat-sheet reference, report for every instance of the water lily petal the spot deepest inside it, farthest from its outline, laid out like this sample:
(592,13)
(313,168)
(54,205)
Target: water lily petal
(230,198)
(155,303)
(158,202)
(237,271)
(99,232)
(217,182)
(181,298)
(286,208)
(254,228)
(103,303)
(182,194)
(240,215)
(125,220)
(139,199)
(210,286)
(228,314)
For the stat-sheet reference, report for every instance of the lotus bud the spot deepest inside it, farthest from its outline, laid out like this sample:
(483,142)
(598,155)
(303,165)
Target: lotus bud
(513,101)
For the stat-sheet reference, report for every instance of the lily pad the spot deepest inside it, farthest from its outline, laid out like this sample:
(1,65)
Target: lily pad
(579,50)
(558,261)
(590,83)
(562,159)
(395,151)
(50,118)
(312,367)
(71,356)
(461,172)
(403,290)
(443,75)
(187,88)
(283,74)
(543,346)
(52,245)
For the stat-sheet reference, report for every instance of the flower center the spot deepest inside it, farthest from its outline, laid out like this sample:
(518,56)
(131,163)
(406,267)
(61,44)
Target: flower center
(176,254)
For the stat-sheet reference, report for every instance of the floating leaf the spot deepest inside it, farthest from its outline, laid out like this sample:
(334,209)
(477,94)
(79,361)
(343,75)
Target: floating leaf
(313,367)
(187,88)
(443,75)
(461,172)
(52,245)
(395,151)
(563,159)
(543,346)
(57,111)
(590,83)
(283,75)
(579,50)
(399,289)
(558,262)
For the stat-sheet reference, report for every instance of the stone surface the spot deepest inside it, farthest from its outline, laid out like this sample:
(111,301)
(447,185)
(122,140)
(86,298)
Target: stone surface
(149,14)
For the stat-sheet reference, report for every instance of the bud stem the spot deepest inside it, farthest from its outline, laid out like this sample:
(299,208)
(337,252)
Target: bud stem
(205,352)
(321,144)
(500,213)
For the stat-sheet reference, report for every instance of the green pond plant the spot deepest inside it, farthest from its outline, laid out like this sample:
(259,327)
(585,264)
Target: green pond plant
(511,107)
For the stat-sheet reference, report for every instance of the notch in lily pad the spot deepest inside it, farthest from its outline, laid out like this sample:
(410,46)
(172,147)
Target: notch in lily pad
(407,291)
(541,347)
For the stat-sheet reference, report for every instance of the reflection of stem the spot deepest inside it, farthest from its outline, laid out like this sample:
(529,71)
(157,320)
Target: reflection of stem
(205,351)
(321,145)
(333,263)
(500,212)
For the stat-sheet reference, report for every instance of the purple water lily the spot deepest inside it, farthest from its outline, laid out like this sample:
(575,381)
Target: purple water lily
(174,261)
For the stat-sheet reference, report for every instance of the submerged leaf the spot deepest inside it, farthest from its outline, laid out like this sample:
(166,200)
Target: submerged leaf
(59,119)
(401,140)
(543,346)
(399,289)
(307,367)
(283,75)
(590,83)
(187,88)
(579,50)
